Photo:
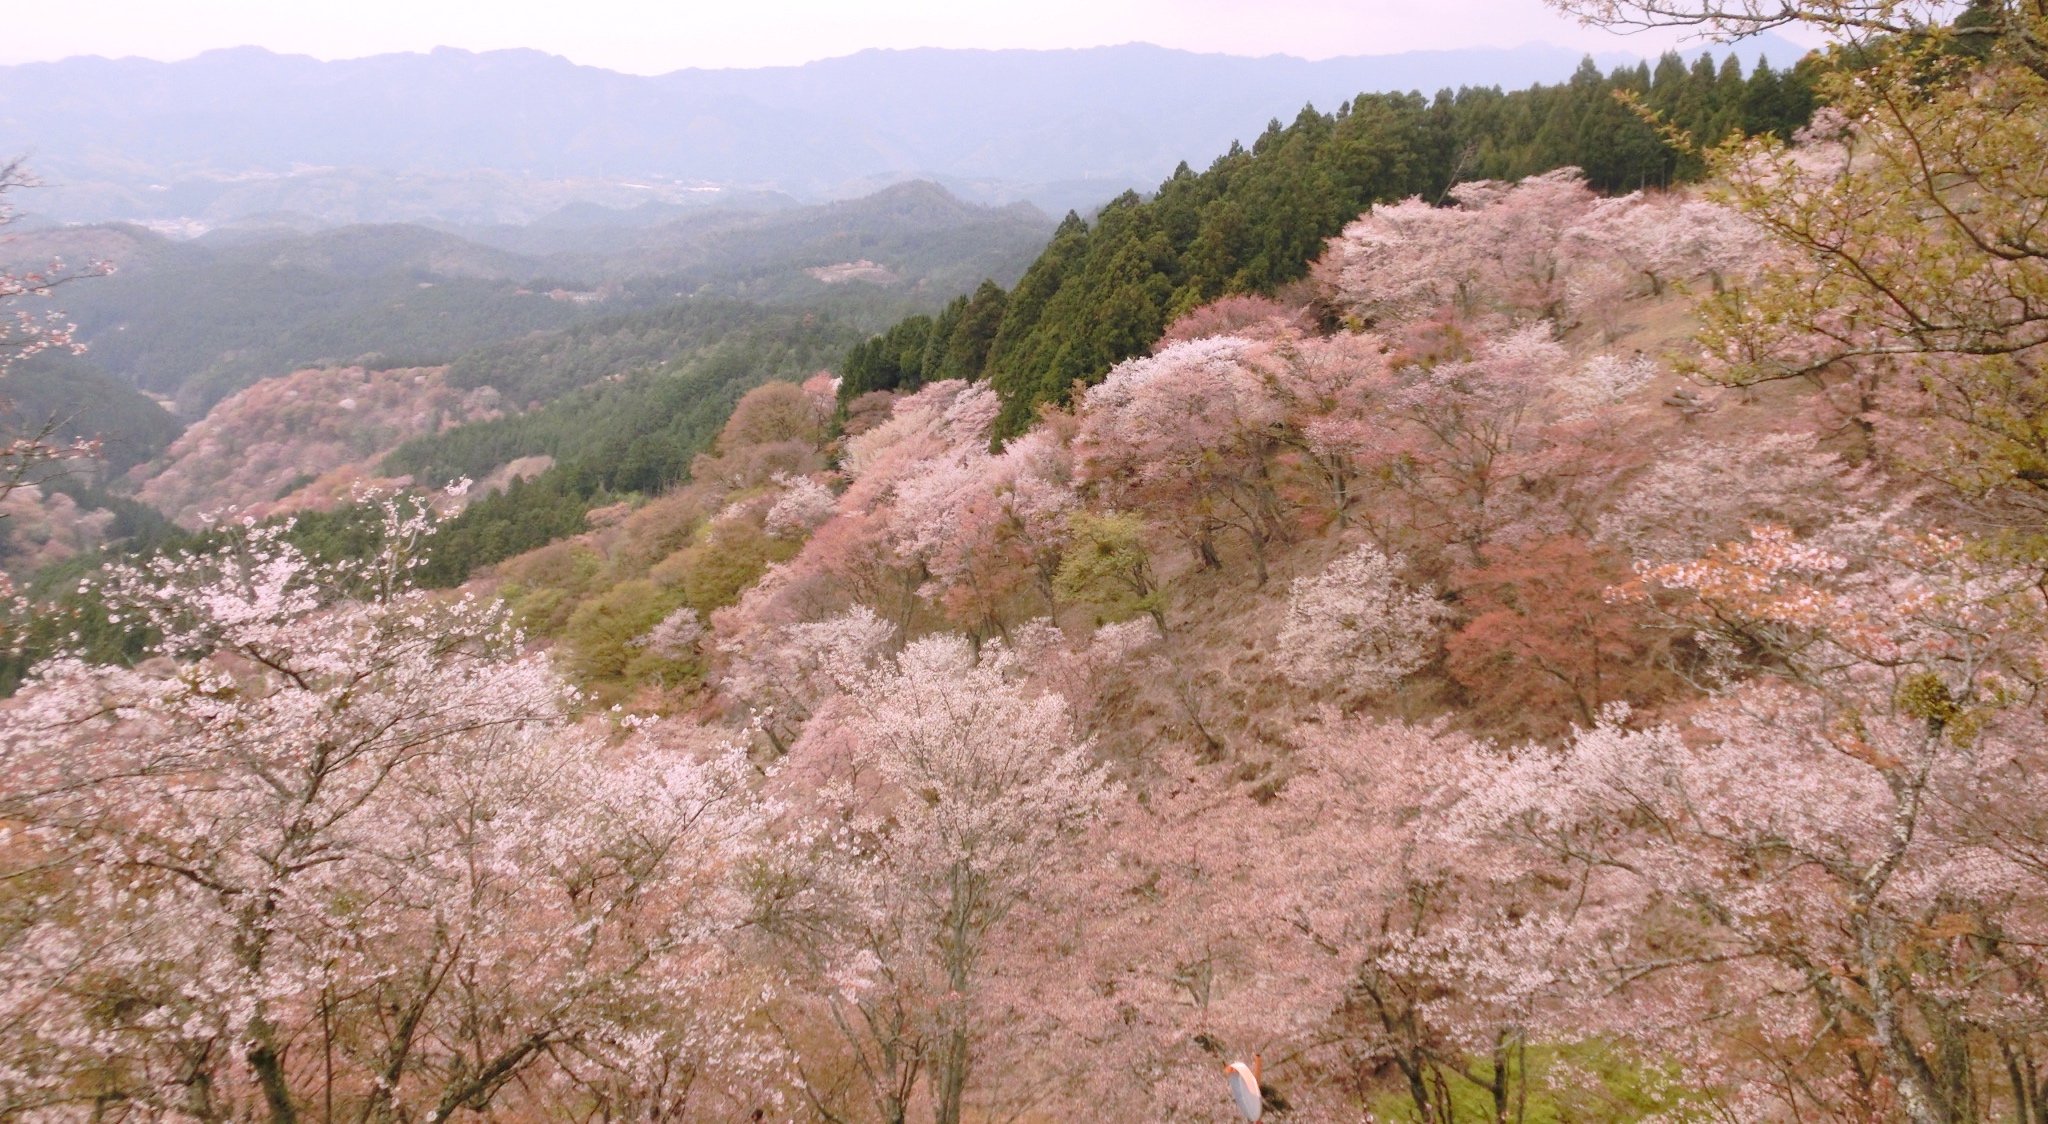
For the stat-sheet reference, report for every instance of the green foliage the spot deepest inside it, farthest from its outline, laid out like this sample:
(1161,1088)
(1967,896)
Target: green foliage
(1556,1084)
(570,592)
(961,350)
(637,432)
(893,360)
(600,634)
(637,436)
(1256,218)
(1109,566)
(729,556)
(918,230)
(549,585)
(200,330)
(922,349)
(542,367)
(526,515)
(200,320)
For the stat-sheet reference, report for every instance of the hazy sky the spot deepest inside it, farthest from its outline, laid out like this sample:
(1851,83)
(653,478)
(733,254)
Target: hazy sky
(652,36)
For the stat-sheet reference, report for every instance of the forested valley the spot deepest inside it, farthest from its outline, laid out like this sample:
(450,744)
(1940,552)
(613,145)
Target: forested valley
(1503,607)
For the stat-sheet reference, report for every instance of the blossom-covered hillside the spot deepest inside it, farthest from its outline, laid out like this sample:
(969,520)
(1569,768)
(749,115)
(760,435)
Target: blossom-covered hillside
(1389,615)
(1575,657)
(303,440)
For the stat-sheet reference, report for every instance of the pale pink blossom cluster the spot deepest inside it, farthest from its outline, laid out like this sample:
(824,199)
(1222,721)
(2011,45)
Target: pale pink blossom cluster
(45,528)
(1357,627)
(287,443)
(803,505)
(1500,245)
(676,636)
(932,523)
(1543,248)
(1702,493)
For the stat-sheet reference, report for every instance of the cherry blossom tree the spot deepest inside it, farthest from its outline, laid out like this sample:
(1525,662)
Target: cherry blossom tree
(1008,533)
(1191,434)
(1469,432)
(1244,315)
(1333,391)
(805,503)
(950,788)
(1827,858)
(913,479)
(1499,248)
(1401,261)
(1603,381)
(933,518)
(787,675)
(334,855)
(675,636)
(1702,493)
(1086,675)
(1319,919)
(1432,961)
(1661,238)
(42,529)
(776,431)
(1357,627)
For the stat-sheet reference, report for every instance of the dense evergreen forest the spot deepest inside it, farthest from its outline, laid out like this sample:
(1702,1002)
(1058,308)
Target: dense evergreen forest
(1103,291)
(536,369)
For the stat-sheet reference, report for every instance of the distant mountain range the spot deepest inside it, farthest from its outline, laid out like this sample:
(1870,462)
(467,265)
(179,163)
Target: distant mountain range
(511,136)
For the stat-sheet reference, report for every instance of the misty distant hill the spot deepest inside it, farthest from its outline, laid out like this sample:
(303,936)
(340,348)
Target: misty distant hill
(509,136)
(200,318)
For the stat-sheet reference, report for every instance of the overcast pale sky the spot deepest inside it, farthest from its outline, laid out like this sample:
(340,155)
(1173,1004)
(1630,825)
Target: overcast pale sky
(653,36)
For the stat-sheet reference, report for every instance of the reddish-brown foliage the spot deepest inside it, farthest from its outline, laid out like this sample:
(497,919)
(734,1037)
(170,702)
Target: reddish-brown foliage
(1547,647)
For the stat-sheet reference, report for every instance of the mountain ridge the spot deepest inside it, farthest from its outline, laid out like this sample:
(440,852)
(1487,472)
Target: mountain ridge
(507,136)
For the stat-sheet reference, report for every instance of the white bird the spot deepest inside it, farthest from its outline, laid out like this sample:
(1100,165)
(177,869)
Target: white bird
(1244,1088)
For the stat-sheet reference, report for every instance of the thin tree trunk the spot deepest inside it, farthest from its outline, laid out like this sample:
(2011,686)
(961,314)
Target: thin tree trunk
(952,1074)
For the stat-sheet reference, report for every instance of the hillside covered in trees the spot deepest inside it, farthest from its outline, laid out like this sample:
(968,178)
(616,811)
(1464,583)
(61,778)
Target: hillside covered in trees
(221,326)
(1562,649)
